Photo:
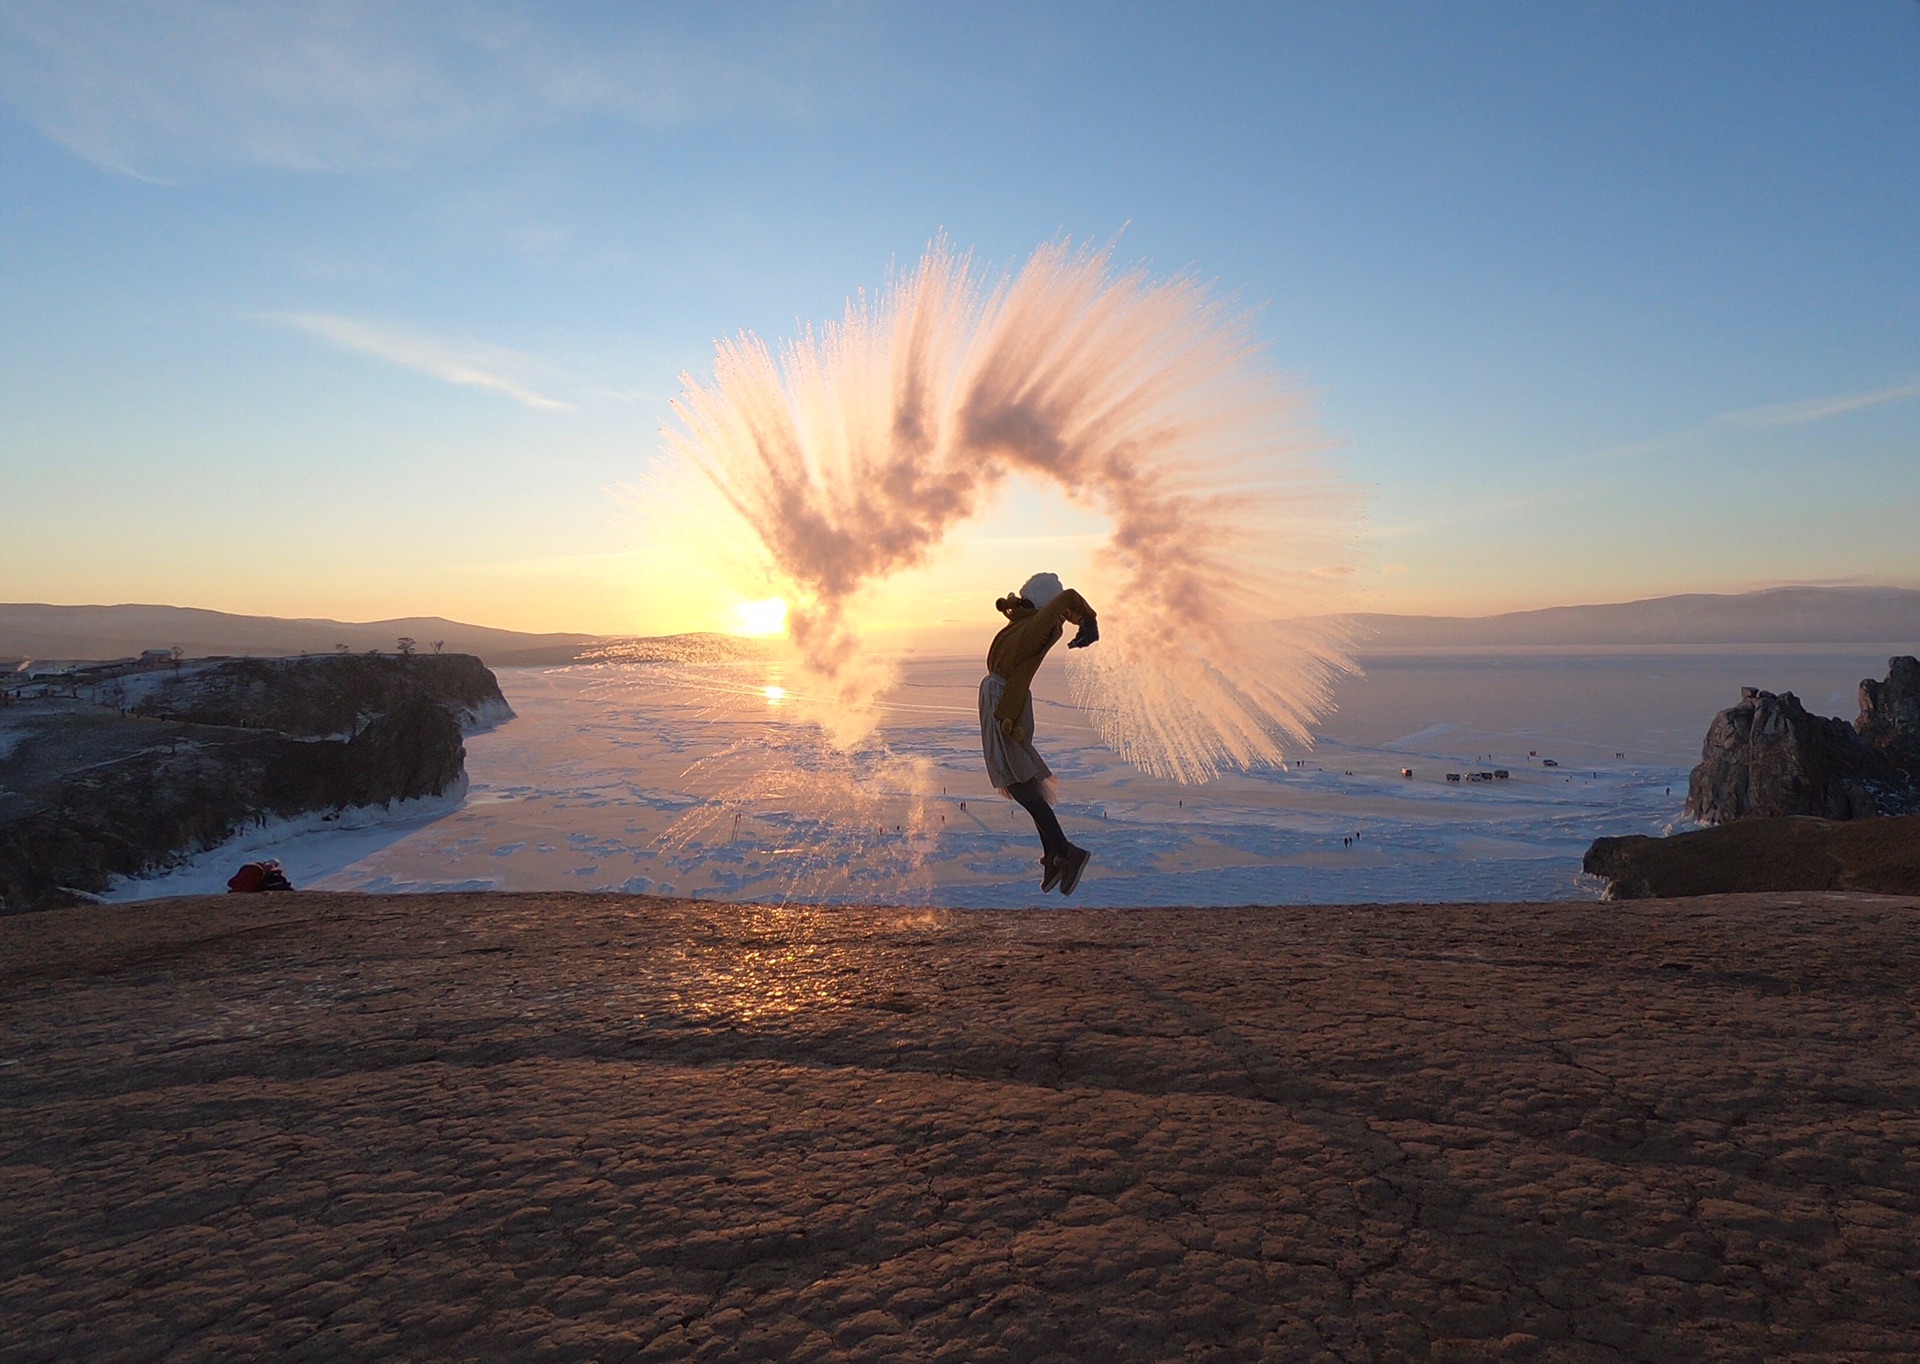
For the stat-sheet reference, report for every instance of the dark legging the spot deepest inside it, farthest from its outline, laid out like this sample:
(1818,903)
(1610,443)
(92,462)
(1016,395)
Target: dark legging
(1053,839)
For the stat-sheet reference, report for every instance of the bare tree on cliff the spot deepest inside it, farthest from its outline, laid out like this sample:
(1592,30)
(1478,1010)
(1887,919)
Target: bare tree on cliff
(406,646)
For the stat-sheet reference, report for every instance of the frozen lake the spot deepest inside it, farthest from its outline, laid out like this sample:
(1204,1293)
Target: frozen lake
(694,779)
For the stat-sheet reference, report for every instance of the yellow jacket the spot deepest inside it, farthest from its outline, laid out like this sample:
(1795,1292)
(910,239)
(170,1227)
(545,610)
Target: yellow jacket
(1019,648)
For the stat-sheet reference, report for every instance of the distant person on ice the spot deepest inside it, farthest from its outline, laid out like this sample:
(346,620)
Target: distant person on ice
(1035,617)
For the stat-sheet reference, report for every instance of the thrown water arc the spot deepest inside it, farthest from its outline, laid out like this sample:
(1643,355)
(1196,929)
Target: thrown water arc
(851,456)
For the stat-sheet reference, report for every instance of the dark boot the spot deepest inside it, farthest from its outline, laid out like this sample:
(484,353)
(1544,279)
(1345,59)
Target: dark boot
(1050,869)
(1071,864)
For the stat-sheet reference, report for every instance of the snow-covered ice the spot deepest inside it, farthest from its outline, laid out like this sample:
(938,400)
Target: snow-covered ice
(310,848)
(693,779)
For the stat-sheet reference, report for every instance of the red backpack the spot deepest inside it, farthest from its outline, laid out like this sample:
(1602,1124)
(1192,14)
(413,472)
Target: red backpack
(251,877)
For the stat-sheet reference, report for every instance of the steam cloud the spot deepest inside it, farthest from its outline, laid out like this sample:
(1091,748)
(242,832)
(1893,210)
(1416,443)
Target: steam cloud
(852,455)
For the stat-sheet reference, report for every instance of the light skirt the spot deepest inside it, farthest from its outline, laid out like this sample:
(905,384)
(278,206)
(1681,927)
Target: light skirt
(1009,760)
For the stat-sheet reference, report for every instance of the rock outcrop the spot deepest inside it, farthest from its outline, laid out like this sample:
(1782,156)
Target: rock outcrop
(1889,719)
(90,791)
(1752,855)
(322,695)
(1767,757)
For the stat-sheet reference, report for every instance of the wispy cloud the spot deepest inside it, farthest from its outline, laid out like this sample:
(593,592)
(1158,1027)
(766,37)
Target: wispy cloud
(156,91)
(1819,409)
(469,364)
(1773,415)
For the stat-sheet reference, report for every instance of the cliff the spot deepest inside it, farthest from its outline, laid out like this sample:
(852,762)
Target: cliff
(1768,757)
(146,768)
(1802,802)
(1752,855)
(323,695)
(1889,720)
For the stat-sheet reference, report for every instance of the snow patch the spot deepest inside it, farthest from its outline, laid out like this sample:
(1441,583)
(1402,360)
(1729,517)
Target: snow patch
(484,718)
(311,847)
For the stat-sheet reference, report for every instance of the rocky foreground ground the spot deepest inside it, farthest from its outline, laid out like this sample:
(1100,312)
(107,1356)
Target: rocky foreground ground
(568,1127)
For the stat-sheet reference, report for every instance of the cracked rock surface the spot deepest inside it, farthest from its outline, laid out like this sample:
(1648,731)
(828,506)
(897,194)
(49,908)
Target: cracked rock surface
(559,1127)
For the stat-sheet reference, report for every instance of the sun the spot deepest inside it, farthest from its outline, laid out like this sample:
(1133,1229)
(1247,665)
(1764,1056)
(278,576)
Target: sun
(767,617)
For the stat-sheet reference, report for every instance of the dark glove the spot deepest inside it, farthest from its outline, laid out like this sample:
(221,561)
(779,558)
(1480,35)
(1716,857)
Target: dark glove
(1089,634)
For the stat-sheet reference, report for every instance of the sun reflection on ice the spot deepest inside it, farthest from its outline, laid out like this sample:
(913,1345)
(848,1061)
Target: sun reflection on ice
(787,817)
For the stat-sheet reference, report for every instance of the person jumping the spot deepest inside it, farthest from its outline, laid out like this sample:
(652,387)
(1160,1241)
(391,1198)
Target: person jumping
(1035,617)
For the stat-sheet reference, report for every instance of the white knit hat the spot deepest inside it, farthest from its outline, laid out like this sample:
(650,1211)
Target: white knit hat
(1042,588)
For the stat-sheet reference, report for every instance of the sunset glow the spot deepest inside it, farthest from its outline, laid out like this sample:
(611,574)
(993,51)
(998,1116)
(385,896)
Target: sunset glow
(760,618)
(458,306)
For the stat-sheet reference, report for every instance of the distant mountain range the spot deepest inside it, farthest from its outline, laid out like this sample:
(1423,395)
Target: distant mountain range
(1785,615)
(97,632)
(1788,615)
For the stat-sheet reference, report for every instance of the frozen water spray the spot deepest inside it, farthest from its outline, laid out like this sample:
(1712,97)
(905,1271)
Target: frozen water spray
(852,454)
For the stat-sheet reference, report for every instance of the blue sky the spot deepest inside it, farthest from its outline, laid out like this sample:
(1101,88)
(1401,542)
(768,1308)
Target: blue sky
(369,310)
